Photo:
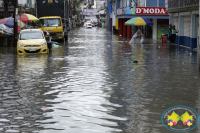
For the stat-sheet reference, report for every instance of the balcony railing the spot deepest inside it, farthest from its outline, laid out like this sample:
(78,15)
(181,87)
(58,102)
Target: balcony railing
(174,4)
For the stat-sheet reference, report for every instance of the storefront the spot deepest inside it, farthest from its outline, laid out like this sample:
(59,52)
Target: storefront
(185,16)
(158,15)
(10,12)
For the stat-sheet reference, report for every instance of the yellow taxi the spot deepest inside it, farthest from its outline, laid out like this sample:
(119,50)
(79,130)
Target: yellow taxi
(31,41)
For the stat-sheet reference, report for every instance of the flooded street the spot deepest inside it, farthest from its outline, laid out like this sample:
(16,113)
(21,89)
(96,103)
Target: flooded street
(96,83)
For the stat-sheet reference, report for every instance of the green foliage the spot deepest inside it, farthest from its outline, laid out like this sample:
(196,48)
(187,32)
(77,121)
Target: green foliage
(77,2)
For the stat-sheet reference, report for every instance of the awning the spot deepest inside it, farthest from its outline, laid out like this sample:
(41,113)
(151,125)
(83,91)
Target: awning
(144,16)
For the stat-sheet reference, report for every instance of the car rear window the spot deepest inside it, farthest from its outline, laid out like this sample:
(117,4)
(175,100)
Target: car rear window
(26,35)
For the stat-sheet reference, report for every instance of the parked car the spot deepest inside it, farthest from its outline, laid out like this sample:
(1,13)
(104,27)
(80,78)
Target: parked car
(31,41)
(94,24)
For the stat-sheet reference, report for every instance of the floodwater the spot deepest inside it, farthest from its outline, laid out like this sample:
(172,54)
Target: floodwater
(96,83)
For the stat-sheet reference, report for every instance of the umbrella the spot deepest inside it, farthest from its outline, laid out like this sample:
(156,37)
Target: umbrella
(6,29)
(9,22)
(138,21)
(27,18)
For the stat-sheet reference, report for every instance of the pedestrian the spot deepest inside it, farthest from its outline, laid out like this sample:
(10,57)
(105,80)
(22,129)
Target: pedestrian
(103,24)
(173,34)
(72,24)
(139,33)
(170,32)
(48,39)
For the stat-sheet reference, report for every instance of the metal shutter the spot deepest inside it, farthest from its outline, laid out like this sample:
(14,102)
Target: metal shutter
(187,27)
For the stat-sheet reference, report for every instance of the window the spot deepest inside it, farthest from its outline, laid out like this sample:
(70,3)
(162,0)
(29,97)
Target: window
(50,22)
(29,3)
(161,3)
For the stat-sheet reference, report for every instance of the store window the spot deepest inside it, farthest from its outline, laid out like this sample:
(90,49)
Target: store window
(135,3)
(29,3)
(161,3)
(141,3)
(163,27)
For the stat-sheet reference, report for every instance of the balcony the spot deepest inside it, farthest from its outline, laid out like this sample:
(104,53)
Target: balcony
(175,4)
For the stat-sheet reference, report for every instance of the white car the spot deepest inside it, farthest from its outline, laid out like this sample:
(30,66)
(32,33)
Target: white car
(88,25)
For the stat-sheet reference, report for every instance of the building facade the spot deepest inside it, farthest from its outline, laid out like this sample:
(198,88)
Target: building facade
(184,14)
(154,10)
(28,3)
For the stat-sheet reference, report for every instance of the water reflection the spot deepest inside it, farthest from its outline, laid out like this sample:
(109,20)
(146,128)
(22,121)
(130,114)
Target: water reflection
(92,85)
(31,66)
(82,94)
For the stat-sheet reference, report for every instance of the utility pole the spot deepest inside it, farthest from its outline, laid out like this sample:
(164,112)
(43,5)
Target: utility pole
(65,19)
(6,8)
(15,22)
(36,9)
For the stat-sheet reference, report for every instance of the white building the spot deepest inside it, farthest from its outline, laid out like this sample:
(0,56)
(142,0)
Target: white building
(185,16)
(29,3)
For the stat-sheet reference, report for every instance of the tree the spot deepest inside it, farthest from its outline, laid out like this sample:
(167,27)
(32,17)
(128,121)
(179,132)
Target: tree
(77,2)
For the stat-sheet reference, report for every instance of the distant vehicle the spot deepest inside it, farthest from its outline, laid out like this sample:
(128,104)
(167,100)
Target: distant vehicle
(94,24)
(31,41)
(88,25)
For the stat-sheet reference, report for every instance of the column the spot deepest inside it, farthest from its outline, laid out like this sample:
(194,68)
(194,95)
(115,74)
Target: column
(155,31)
(111,25)
(193,32)
(119,31)
(199,30)
(124,28)
(171,21)
(181,30)
(121,27)
(129,32)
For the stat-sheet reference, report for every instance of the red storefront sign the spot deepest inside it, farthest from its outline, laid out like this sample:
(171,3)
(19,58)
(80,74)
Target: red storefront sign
(151,11)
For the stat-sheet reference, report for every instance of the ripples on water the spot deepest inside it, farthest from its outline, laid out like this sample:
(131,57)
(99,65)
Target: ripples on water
(91,85)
